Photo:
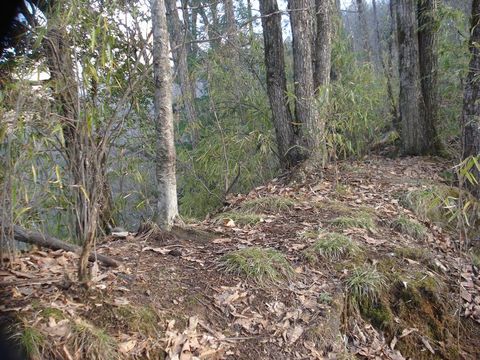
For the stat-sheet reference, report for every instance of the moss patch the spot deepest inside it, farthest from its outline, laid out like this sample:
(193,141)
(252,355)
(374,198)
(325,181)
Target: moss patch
(417,254)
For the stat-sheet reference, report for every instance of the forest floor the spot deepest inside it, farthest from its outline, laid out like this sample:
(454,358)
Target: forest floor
(397,289)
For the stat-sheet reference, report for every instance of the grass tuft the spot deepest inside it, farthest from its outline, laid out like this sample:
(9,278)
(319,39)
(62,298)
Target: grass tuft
(32,340)
(362,220)
(240,218)
(409,227)
(417,254)
(262,265)
(365,285)
(273,204)
(50,312)
(331,246)
(441,205)
(141,319)
(92,342)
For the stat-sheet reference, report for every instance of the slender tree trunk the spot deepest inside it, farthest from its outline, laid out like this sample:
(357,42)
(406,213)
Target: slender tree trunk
(194,29)
(412,114)
(323,42)
(167,207)
(392,45)
(178,39)
(471,103)
(231,24)
(277,84)
(214,23)
(250,19)
(305,110)
(426,15)
(385,60)
(362,20)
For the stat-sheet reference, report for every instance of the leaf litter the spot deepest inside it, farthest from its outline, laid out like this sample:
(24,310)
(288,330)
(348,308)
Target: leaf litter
(201,312)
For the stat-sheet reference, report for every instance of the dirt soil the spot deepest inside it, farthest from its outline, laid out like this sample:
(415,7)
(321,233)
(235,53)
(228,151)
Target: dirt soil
(172,299)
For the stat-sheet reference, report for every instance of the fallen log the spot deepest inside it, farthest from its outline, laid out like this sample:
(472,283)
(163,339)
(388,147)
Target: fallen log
(37,238)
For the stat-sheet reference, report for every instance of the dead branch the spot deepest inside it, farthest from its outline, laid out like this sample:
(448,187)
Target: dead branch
(37,238)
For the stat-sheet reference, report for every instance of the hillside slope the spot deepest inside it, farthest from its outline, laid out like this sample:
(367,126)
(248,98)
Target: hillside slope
(360,262)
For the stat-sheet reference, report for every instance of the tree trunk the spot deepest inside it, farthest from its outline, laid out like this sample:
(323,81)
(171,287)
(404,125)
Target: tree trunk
(231,24)
(426,16)
(471,103)
(323,42)
(250,20)
(277,84)
(167,207)
(392,45)
(413,126)
(362,20)
(179,52)
(305,109)
(386,61)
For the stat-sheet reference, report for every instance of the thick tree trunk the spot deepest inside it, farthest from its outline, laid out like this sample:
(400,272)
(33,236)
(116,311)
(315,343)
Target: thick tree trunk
(413,126)
(363,24)
(167,207)
(471,102)
(305,109)
(426,16)
(179,51)
(323,42)
(277,84)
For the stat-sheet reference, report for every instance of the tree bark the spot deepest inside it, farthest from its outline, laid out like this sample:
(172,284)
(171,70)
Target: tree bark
(167,207)
(413,126)
(305,109)
(231,24)
(471,102)
(179,51)
(362,20)
(277,84)
(323,42)
(426,15)
(386,61)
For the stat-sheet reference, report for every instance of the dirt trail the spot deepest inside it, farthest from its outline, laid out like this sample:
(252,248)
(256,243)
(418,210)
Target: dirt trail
(172,297)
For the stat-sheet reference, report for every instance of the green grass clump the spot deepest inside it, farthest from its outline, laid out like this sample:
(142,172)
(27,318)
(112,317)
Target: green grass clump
(475,259)
(365,285)
(362,220)
(442,206)
(142,319)
(331,246)
(272,204)
(241,218)
(409,227)
(262,265)
(92,342)
(417,254)
(32,340)
(48,312)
